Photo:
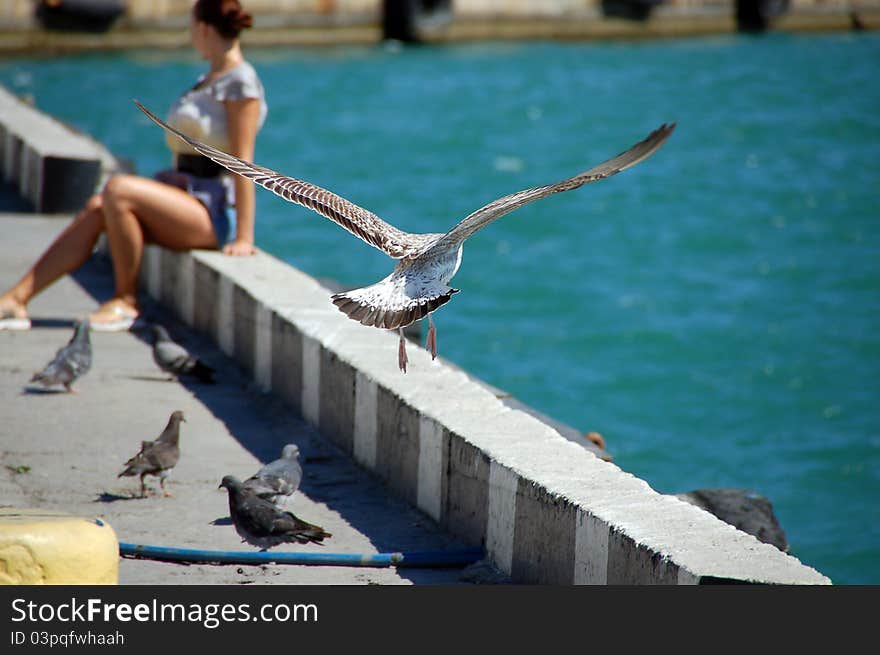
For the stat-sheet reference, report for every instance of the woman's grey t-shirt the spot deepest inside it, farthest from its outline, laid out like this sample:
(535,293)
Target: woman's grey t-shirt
(201,114)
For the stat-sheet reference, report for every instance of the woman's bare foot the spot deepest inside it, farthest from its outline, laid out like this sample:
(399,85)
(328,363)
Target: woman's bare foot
(13,314)
(115,315)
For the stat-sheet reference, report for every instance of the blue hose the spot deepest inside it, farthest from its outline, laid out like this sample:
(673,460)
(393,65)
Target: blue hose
(425,559)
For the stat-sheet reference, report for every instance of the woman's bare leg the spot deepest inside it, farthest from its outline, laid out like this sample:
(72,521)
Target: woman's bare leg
(132,210)
(139,210)
(67,253)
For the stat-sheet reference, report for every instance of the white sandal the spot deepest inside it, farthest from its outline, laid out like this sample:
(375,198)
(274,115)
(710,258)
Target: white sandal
(124,320)
(9,321)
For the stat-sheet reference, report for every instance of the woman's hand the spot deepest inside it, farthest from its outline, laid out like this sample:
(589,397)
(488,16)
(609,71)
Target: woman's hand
(239,248)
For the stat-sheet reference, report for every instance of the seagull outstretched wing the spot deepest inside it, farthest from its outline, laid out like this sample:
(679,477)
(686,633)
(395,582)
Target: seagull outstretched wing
(357,220)
(498,208)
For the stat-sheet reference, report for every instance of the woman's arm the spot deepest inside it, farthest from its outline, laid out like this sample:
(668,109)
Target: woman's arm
(243,118)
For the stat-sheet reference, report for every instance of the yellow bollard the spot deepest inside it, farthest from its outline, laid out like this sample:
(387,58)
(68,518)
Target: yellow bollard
(39,546)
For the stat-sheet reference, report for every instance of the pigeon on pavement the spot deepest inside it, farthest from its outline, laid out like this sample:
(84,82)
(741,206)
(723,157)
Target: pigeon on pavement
(277,481)
(173,358)
(157,457)
(260,523)
(71,362)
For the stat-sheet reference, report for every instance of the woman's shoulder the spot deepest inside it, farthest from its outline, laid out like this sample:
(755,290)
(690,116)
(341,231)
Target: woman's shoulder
(239,82)
(243,71)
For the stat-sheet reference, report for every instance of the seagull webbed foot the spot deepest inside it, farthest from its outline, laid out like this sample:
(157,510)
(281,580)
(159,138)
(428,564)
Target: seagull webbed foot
(431,341)
(401,352)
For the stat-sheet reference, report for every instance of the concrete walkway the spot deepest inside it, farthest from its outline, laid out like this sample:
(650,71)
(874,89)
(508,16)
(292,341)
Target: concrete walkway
(63,451)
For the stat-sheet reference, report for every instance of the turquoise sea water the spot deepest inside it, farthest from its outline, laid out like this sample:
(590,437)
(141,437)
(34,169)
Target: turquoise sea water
(713,312)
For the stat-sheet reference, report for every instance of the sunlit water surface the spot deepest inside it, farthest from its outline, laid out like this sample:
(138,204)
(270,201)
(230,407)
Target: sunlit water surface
(713,312)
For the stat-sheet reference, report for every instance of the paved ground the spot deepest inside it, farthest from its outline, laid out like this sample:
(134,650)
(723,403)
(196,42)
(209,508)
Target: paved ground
(63,451)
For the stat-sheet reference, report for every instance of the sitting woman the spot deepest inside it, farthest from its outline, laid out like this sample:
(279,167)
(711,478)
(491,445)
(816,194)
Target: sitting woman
(181,209)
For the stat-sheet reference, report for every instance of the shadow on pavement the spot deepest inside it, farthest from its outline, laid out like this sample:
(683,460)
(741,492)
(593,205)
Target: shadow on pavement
(39,322)
(107,497)
(263,424)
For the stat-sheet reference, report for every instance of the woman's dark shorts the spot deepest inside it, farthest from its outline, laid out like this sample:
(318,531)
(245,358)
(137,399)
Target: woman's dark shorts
(211,192)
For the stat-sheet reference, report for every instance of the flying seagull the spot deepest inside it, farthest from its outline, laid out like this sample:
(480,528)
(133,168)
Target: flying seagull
(260,523)
(277,481)
(174,359)
(157,457)
(70,362)
(419,283)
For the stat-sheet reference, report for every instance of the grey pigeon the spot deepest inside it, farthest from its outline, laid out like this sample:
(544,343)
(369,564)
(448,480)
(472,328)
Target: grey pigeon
(260,523)
(157,457)
(71,362)
(277,481)
(173,358)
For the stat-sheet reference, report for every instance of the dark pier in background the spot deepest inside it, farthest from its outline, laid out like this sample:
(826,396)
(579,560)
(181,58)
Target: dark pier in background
(408,20)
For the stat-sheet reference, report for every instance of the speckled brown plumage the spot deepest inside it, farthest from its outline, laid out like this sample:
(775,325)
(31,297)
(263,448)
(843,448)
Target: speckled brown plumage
(426,262)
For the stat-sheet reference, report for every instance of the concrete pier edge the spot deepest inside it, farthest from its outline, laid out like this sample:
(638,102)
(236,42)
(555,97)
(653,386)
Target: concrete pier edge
(53,168)
(547,510)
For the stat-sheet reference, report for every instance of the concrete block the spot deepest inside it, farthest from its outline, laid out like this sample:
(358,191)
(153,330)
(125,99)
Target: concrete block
(591,550)
(365,439)
(5,134)
(337,400)
(467,498)
(544,542)
(151,271)
(245,308)
(433,468)
(30,172)
(170,278)
(287,364)
(685,577)
(206,282)
(632,563)
(501,516)
(54,167)
(263,347)
(184,294)
(61,184)
(397,453)
(311,380)
(40,546)
(226,315)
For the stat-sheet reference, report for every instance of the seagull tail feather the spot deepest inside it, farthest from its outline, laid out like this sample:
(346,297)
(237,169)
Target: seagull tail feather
(366,306)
